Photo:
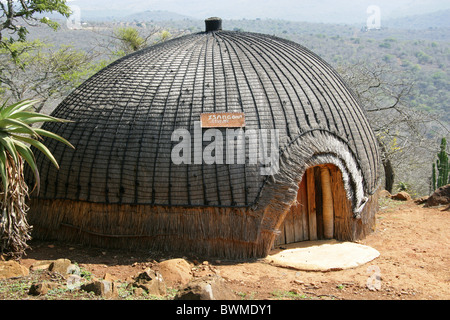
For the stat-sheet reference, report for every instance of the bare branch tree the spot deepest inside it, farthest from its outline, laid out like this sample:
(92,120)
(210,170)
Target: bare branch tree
(402,131)
(41,72)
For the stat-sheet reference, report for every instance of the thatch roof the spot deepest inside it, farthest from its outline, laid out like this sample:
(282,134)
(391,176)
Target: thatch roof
(124,116)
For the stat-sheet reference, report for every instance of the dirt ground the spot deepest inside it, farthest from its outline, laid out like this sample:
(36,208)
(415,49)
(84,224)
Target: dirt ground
(414,263)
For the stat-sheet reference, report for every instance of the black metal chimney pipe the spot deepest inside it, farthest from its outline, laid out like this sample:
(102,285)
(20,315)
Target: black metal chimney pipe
(213,24)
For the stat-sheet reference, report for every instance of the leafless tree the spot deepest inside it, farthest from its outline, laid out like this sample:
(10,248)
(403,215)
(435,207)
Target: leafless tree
(42,72)
(403,132)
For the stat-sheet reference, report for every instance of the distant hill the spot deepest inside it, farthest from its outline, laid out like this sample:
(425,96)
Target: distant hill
(155,16)
(323,11)
(439,19)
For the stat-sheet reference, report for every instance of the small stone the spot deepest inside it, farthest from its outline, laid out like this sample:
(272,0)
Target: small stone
(152,282)
(61,266)
(440,196)
(421,200)
(108,277)
(102,288)
(12,269)
(139,292)
(176,272)
(41,265)
(385,194)
(401,196)
(74,281)
(42,288)
(372,288)
(73,269)
(311,286)
(208,288)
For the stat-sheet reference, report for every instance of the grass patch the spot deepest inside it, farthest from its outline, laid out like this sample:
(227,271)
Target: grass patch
(387,204)
(247,296)
(280,294)
(15,289)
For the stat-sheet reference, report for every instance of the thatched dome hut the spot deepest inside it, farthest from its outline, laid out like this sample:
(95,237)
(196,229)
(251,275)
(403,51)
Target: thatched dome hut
(145,130)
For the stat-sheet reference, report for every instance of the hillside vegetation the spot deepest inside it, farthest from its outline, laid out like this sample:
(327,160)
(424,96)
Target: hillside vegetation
(412,60)
(421,54)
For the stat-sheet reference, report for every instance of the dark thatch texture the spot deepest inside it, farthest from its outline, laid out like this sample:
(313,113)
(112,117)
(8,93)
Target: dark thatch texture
(120,180)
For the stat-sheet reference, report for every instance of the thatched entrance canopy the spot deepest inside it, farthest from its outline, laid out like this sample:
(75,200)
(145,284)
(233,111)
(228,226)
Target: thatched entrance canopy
(121,187)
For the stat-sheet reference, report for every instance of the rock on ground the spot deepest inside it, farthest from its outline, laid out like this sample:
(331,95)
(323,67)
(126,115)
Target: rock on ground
(12,269)
(208,288)
(41,265)
(401,196)
(421,200)
(42,288)
(176,272)
(61,266)
(440,197)
(150,282)
(102,288)
(385,194)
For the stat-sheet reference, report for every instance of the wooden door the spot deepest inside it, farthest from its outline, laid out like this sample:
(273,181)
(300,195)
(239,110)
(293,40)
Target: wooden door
(295,226)
(310,218)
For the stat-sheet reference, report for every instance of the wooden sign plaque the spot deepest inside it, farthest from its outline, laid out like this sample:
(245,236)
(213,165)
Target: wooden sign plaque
(223,120)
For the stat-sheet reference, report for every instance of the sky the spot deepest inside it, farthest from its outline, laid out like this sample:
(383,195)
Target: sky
(339,11)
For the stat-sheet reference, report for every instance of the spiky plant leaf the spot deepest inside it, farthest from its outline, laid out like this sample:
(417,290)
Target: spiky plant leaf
(17,136)
(8,144)
(48,134)
(26,153)
(11,125)
(33,117)
(6,110)
(38,145)
(3,172)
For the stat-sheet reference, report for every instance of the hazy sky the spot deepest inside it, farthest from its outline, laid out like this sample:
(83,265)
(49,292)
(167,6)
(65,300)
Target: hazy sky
(350,11)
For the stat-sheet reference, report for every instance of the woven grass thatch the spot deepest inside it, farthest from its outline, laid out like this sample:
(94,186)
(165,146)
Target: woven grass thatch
(119,188)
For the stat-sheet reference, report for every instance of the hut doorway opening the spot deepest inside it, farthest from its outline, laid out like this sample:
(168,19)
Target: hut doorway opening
(322,210)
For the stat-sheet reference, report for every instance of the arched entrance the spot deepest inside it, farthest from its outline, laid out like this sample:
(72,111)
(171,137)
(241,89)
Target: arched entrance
(322,211)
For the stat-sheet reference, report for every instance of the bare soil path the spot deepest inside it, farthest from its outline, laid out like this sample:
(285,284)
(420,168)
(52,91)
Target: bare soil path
(414,263)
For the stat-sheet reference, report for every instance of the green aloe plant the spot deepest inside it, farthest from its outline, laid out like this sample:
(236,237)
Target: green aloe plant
(17,137)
